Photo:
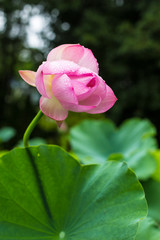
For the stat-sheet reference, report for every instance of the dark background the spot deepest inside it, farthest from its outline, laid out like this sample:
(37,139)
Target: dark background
(124,36)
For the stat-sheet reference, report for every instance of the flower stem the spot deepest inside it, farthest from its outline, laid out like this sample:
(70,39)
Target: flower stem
(31,127)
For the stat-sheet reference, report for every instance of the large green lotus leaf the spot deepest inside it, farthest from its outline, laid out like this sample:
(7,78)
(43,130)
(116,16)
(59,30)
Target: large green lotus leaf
(2,152)
(95,141)
(152,191)
(148,230)
(47,194)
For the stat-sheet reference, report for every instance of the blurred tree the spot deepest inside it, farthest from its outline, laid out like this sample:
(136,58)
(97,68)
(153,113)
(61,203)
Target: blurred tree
(124,36)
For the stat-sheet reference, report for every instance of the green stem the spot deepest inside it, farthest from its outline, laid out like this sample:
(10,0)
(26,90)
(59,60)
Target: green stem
(31,128)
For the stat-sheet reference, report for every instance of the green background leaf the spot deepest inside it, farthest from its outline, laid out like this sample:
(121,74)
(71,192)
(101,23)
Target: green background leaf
(152,192)
(46,194)
(148,230)
(6,133)
(156,174)
(95,141)
(33,142)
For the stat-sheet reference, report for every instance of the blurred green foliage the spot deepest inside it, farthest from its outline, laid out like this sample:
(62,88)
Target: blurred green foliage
(156,174)
(148,230)
(133,142)
(6,133)
(124,35)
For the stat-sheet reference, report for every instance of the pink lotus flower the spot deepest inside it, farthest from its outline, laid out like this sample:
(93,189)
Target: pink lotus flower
(69,81)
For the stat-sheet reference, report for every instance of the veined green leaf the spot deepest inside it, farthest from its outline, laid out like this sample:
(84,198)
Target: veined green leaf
(47,194)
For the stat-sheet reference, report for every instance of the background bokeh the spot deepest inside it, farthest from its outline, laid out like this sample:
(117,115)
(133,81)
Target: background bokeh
(124,36)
